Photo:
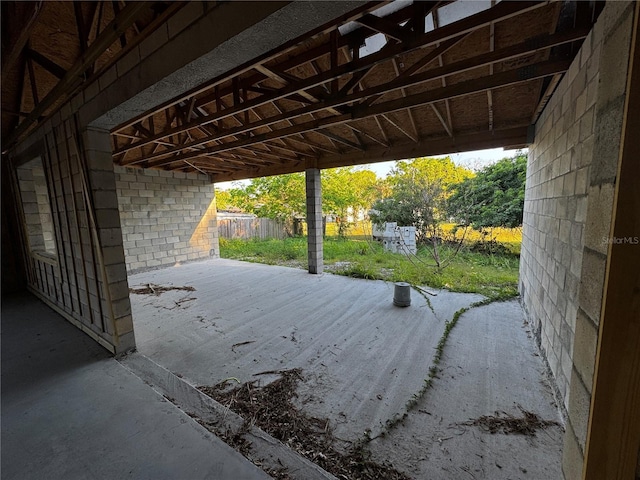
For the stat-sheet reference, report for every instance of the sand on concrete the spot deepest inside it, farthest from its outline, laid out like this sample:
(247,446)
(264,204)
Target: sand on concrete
(362,359)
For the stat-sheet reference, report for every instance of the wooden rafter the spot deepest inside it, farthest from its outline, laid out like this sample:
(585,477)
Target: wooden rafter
(475,141)
(49,65)
(9,59)
(463,65)
(448,122)
(481,84)
(75,74)
(501,11)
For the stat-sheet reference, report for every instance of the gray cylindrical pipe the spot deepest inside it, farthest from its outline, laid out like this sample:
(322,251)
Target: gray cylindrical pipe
(402,294)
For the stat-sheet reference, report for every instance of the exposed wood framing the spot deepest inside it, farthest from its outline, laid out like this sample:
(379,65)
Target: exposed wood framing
(9,60)
(92,44)
(326,99)
(409,149)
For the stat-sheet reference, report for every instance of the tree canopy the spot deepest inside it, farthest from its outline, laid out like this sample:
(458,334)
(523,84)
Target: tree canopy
(494,197)
(344,189)
(278,197)
(283,196)
(419,190)
(424,192)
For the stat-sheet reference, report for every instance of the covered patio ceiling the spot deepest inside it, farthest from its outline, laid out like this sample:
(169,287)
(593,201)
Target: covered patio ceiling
(388,81)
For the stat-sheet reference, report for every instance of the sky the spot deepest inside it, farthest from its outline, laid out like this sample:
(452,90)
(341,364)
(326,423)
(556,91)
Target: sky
(472,160)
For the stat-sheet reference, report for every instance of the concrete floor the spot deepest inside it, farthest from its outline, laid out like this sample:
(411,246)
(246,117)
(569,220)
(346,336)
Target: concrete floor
(71,411)
(362,359)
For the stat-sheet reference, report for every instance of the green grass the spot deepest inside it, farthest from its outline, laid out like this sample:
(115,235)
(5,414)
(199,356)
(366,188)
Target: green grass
(493,275)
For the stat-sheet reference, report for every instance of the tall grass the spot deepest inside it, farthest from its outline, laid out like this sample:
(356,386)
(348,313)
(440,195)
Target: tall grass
(493,275)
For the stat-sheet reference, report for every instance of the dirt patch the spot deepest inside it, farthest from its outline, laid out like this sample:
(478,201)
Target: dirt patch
(153,289)
(503,422)
(271,408)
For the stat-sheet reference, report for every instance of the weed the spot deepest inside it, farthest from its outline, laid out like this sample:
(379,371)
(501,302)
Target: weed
(488,274)
(411,404)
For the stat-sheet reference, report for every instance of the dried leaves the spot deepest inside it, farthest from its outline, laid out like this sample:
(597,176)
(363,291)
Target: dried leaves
(271,408)
(503,422)
(153,289)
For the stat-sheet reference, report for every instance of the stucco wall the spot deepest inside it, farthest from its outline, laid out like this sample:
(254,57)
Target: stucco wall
(167,217)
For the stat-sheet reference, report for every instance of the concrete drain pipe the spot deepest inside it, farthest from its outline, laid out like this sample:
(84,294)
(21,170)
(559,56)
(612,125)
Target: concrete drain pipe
(402,294)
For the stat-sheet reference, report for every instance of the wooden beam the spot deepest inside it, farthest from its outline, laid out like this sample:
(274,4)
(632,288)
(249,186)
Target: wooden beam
(438,146)
(9,59)
(546,96)
(34,84)
(501,11)
(399,127)
(481,84)
(49,65)
(502,79)
(254,79)
(83,34)
(384,26)
(339,139)
(442,120)
(116,11)
(456,67)
(368,135)
(412,121)
(443,81)
(423,62)
(75,74)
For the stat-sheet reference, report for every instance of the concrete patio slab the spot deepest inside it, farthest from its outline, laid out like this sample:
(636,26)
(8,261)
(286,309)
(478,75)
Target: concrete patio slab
(362,359)
(71,411)
(490,364)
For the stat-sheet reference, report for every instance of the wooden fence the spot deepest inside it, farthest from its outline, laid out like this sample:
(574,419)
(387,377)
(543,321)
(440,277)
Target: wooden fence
(252,228)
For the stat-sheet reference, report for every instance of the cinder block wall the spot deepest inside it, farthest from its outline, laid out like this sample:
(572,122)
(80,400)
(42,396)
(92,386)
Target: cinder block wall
(166,217)
(555,211)
(568,212)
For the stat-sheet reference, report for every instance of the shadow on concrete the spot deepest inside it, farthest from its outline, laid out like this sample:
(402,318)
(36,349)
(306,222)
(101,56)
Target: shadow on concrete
(71,411)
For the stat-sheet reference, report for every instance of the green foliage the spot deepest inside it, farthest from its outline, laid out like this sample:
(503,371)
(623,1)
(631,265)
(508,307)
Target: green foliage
(223,200)
(346,190)
(279,197)
(494,197)
(419,191)
(493,275)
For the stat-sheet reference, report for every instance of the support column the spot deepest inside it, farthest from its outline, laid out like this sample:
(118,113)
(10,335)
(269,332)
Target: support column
(314,220)
(108,242)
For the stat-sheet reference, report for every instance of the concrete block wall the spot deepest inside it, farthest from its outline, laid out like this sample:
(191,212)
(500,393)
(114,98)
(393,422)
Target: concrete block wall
(568,214)
(314,220)
(84,279)
(35,206)
(555,211)
(167,217)
(189,49)
(615,25)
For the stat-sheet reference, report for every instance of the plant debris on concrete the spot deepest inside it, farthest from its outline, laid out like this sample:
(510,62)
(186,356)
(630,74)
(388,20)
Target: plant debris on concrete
(503,422)
(271,408)
(153,289)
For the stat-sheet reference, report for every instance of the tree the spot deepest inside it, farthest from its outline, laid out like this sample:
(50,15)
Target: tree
(279,197)
(494,197)
(346,188)
(419,192)
(223,200)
